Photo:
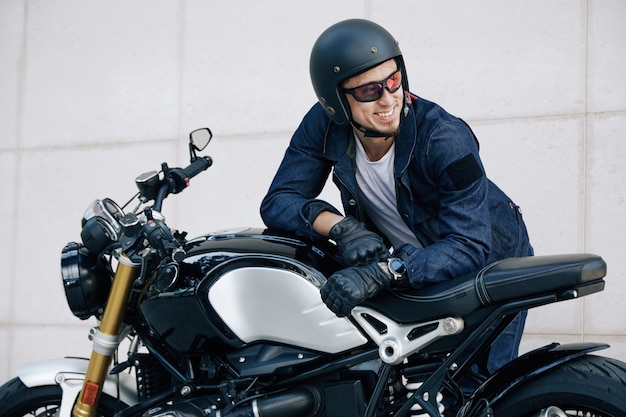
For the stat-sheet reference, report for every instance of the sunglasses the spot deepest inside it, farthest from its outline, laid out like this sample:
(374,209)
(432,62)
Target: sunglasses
(374,90)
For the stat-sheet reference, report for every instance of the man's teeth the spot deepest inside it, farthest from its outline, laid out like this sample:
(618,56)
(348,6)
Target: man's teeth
(387,114)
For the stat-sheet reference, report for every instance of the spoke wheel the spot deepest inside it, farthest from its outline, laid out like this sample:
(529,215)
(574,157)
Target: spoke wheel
(18,400)
(590,386)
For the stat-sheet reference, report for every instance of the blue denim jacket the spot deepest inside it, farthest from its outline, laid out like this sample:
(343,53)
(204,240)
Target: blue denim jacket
(462,219)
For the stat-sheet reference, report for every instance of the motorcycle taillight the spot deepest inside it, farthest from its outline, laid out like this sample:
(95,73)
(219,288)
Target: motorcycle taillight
(86,281)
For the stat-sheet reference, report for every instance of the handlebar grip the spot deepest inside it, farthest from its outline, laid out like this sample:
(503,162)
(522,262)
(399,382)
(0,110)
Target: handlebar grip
(197,166)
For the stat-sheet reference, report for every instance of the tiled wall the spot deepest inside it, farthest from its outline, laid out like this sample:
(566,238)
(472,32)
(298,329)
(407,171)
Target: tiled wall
(94,93)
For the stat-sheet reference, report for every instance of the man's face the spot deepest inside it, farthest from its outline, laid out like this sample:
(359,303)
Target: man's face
(382,114)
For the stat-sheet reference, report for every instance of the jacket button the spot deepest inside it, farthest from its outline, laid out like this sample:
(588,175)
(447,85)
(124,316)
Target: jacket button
(352,202)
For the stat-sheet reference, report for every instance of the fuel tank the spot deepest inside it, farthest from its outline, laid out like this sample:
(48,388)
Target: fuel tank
(242,287)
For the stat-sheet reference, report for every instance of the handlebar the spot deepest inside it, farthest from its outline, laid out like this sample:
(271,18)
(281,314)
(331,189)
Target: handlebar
(177,179)
(105,227)
(200,164)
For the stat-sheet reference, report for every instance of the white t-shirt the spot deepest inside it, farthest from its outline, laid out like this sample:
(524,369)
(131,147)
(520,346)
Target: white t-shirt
(376,181)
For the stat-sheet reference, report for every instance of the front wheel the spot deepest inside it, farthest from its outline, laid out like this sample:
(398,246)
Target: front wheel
(590,386)
(18,400)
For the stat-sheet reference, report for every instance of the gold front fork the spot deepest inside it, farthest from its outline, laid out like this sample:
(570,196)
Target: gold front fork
(106,339)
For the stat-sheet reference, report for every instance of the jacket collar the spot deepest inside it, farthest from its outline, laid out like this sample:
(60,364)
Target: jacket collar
(338,141)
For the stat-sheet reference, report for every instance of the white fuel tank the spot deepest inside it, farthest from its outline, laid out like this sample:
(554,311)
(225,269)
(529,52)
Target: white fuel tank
(260,303)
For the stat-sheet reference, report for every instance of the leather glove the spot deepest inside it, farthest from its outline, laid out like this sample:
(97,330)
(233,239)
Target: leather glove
(351,286)
(357,245)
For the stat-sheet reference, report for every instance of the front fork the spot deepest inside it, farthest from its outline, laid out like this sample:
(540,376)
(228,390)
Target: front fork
(106,340)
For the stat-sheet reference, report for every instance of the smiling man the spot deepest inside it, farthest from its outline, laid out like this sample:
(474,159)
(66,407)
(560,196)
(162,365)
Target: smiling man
(410,177)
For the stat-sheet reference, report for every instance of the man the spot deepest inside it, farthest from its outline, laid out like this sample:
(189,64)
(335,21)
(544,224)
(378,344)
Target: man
(409,175)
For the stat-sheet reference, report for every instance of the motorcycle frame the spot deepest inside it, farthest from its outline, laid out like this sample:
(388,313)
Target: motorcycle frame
(69,374)
(95,377)
(504,380)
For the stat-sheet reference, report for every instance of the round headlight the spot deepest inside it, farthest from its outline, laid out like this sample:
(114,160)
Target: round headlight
(86,281)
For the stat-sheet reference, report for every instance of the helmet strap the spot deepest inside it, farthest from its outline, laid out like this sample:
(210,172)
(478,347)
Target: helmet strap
(368,133)
(407,103)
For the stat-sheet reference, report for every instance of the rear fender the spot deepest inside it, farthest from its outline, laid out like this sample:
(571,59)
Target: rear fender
(526,367)
(69,374)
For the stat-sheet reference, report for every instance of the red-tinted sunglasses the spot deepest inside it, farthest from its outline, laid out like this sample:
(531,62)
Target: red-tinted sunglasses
(374,90)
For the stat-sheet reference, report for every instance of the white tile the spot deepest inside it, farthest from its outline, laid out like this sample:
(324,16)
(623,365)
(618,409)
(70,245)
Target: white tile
(617,344)
(534,341)
(8,163)
(604,311)
(35,343)
(605,220)
(607,55)
(101,72)
(229,194)
(492,58)
(11,28)
(605,181)
(5,355)
(55,189)
(243,74)
(558,318)
(539,164)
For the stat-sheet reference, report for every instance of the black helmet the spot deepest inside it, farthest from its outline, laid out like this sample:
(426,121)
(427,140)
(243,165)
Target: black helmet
(344,50)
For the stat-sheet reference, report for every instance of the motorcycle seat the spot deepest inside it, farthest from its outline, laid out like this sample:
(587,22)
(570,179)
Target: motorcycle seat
(497,283)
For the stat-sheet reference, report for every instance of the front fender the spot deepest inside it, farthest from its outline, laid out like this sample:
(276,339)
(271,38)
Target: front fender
(69,374)
(526,367)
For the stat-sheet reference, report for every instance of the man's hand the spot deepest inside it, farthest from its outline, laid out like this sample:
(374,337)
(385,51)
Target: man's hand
(351,286)
(357,245)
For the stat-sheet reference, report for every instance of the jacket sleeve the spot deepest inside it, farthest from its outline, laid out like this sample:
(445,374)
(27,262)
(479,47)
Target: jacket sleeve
(462,243)
(291,204)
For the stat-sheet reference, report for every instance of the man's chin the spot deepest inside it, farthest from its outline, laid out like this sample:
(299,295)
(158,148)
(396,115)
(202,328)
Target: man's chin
(388,129)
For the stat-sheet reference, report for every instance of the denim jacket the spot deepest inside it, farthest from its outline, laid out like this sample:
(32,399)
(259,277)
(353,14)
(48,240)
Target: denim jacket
(461,218)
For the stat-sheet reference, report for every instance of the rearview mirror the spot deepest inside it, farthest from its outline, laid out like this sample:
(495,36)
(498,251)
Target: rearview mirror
(200,138)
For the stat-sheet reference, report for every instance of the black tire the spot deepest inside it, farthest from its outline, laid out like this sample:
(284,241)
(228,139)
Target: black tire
(591,386)
(17,400)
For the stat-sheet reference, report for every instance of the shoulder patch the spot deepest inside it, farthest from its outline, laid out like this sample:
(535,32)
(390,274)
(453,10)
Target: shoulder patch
(464,171)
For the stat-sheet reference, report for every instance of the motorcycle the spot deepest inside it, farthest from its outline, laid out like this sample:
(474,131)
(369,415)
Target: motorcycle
(231,324)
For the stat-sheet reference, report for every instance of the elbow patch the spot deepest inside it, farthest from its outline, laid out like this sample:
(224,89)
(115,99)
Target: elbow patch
(464,171)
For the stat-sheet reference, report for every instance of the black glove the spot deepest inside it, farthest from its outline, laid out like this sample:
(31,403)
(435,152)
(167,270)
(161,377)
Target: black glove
(357,245)
(351,286)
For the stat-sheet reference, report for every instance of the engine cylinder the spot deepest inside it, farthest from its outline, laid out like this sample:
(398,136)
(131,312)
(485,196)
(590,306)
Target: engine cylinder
(299,402)
(304,401)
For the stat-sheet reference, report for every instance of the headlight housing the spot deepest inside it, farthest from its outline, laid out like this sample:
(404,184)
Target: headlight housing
(86,280)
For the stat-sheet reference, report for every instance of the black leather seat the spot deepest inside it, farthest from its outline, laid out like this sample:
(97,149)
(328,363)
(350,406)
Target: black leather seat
(506,280)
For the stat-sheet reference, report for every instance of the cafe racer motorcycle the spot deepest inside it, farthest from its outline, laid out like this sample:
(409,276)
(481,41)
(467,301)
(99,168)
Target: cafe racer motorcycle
(231,324)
